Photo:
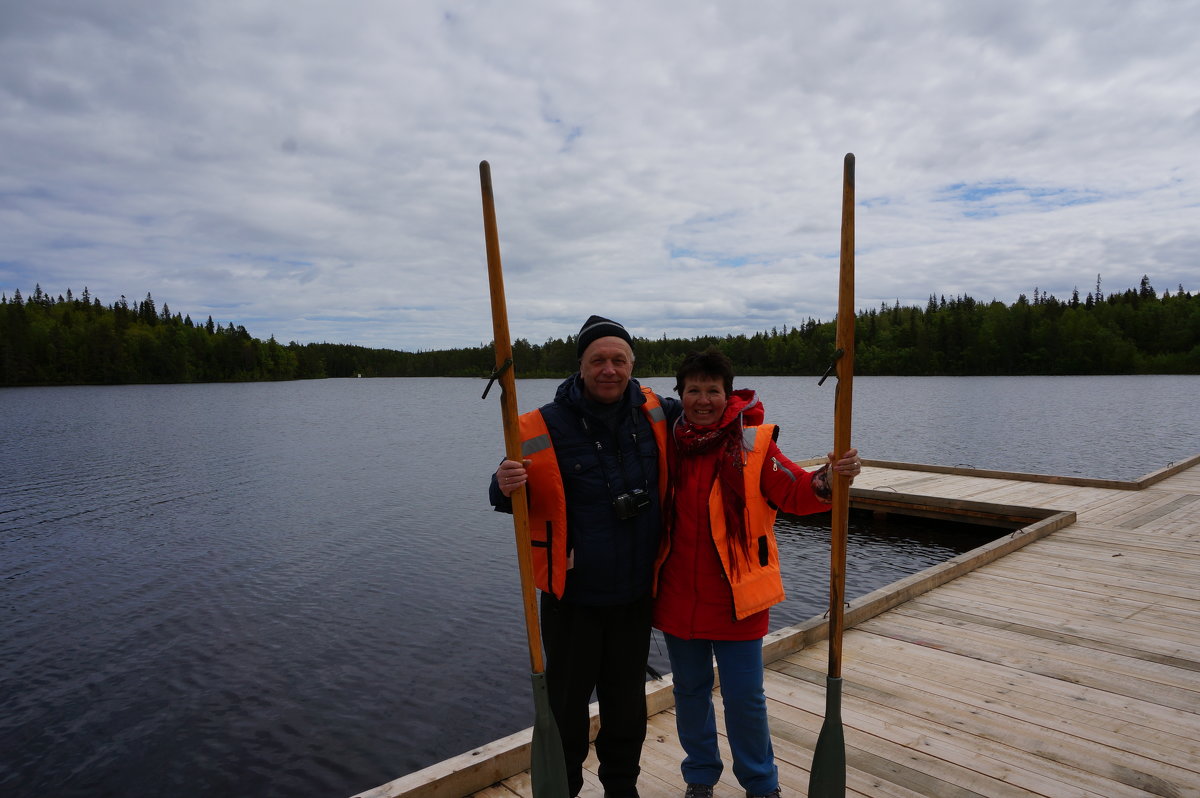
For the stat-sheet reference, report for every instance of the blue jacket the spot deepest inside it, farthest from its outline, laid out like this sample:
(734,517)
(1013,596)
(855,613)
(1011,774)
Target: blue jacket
(613,559)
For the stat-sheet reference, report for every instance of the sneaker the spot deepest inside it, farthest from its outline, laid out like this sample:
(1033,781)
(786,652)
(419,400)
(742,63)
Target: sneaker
(698,791)
(772,794)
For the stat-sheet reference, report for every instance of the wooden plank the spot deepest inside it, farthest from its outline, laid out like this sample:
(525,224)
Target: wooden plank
(1133,629)
(1036,572)
(1166,576)
(1144,502)
(946,506)
(463,774)
(1111,639)
(1129,591)
(1158,545)
(1128,503)
(878,601)
(1160,566)
(1028,755)
(1154,540)
(1108,542)
(1135,587)
(662,753)
(988,762)
(1077,651)
(1180,504)
(1058,497)
(1096,511)
(874,767)
(899,485)
(985,474)
(1110,672)
(666,757)
(1086,592)
(520,784)
(1004,690)
(1041,732)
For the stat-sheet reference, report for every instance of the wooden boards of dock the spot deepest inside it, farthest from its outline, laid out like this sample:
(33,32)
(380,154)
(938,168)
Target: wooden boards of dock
(1063,659)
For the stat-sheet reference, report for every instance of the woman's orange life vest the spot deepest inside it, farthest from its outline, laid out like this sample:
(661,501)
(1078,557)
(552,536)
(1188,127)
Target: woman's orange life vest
(754,576)
(548,500)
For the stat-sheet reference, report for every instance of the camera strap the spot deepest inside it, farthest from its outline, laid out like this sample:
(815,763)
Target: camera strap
(617,448)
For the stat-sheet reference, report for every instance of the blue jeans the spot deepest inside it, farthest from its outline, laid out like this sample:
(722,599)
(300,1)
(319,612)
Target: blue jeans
(741,667)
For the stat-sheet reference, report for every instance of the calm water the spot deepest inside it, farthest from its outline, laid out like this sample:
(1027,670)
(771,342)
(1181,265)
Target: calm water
(298,589)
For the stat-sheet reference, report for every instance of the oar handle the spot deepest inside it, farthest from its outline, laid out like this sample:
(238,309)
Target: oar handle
(508,411)
(842,405)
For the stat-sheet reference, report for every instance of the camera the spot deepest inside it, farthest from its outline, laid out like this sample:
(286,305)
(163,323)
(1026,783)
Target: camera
(627,505)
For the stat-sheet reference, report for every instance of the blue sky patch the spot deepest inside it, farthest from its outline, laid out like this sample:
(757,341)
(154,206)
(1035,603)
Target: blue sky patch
(715,258)
(987,199)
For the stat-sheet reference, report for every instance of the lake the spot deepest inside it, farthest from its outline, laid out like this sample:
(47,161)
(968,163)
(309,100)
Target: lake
(271,589)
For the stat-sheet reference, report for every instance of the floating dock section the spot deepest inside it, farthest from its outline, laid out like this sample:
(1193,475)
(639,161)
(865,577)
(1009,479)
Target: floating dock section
(1062,659)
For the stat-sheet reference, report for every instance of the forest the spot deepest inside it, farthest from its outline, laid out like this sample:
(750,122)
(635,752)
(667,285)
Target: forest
(78,340)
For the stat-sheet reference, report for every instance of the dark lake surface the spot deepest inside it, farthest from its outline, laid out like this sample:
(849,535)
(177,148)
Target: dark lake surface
(298,589)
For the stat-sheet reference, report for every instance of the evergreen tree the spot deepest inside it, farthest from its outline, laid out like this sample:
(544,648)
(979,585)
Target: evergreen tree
(1145,290)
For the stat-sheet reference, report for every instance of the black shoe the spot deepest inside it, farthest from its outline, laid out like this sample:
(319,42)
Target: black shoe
(698,791)
(772,794)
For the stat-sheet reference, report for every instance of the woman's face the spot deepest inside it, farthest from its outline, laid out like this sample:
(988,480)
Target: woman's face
(703,399)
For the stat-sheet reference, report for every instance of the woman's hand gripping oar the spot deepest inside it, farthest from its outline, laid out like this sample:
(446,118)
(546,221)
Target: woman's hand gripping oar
(828,775)
(548,772)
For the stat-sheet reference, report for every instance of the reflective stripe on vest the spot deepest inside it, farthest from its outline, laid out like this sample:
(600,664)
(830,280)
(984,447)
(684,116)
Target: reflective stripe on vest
(548,500)
(753,574)
(658,422)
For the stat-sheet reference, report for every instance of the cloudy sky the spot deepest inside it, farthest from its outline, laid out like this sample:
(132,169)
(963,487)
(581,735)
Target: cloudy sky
(311,169)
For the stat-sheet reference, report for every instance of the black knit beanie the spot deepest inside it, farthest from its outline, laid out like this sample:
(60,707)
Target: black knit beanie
(599,327)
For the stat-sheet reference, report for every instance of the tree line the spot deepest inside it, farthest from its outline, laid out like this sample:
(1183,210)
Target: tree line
(47,340)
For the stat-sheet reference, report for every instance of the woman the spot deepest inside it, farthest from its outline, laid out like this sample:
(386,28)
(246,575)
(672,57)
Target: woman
(718,567)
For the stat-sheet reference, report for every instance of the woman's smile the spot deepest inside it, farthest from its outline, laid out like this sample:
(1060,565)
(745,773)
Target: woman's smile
(703,400)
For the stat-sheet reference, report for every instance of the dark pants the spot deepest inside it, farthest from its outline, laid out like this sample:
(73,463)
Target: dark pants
(601,648)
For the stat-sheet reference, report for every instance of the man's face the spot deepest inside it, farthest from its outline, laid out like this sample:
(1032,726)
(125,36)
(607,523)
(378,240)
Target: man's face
(606,366)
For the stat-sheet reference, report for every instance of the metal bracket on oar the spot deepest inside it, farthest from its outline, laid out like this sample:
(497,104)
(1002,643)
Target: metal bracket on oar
(837,355)
(847,603)
(496,375)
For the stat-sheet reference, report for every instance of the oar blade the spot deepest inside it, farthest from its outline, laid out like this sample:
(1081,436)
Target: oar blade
(827,779)
(548,770)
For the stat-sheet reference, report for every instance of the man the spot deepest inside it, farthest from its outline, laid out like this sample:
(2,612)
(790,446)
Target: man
(595,466)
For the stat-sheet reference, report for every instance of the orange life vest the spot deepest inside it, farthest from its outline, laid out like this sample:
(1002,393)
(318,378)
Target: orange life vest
(754,576)
(548,500)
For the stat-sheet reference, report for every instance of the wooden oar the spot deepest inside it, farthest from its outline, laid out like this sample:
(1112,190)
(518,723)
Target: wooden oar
(548,771)
(828,775)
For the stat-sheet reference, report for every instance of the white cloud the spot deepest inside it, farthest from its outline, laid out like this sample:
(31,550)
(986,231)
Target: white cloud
(310,170)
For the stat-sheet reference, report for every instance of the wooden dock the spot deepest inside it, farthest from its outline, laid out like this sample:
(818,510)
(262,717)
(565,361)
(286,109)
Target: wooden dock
(1061,660)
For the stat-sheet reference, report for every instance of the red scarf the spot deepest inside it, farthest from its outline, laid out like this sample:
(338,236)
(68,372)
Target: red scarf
(741,410)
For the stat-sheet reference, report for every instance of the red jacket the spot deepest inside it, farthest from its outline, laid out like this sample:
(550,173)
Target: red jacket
(693,594)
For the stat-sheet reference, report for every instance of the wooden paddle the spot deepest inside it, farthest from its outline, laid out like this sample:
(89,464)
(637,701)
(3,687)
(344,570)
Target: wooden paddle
(828,775)
(548,771)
